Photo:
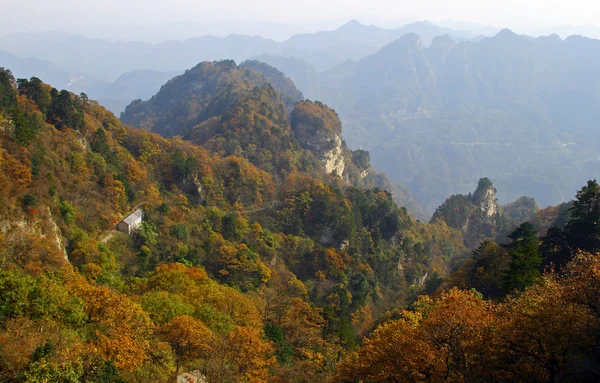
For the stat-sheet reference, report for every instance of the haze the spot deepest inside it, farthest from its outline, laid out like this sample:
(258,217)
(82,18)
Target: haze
(175,19)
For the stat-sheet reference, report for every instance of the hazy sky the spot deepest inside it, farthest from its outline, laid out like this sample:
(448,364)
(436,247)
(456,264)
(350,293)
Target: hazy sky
(84,15)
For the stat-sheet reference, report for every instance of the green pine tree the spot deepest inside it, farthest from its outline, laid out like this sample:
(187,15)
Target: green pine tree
(525,258)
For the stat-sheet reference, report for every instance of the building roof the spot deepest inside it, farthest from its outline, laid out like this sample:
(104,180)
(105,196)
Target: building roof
(134,217)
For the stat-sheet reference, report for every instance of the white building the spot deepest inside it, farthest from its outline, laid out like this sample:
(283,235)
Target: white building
(131,222)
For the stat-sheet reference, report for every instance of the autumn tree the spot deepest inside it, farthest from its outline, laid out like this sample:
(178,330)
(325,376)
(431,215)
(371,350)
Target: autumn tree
(241,356)
(546,335)
(189,338)
(449,338)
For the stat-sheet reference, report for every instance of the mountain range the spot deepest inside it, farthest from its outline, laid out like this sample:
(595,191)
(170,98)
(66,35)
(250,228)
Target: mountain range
(259,247)
(436,118)
(106,60)
(438,108)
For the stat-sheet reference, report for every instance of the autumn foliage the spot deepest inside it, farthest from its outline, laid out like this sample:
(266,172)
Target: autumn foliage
(251,264)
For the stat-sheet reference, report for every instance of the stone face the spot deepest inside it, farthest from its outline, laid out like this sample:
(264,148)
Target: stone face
(488,204)
(485,198)
(333,160)
(318,129)
(477,215)
(191,377)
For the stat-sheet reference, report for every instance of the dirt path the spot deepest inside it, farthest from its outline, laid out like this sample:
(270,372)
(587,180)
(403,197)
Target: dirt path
(109,236)
(113,231)
(269,206)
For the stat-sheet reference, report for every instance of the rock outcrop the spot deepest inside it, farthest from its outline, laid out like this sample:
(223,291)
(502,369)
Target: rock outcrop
(319,129)
(477,215)
(485,198)
(332,159)
(191,377)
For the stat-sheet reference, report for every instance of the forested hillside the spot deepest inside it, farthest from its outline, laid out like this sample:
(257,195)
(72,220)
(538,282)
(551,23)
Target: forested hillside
(245,268)
(524,311)
(243,110)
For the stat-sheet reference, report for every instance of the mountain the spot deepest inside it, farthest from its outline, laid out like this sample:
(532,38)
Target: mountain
(478,215)
(74,81)
(564,31)
(108,59)
(236,110)
(250,249)
(202,92)
(353,41)
(141,84)
(208,103)
(260,250)
(437,118)
(305,76)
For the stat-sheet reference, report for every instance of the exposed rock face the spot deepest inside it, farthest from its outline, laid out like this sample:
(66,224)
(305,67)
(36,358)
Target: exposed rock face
(489,206)
(332,160)
(477,215)
(46,227)
(318,129)
(57,236)
(485,198)
(191,377)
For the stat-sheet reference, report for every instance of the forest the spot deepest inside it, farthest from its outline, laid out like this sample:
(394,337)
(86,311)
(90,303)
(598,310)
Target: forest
(255,264)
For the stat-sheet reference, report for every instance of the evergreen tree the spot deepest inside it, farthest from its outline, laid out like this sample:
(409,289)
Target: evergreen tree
(554,247)
(8,99)
(34,89)
(525,258)
(583,227)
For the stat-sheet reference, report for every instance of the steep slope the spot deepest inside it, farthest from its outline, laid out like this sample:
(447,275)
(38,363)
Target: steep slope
(256,127)
(319,130)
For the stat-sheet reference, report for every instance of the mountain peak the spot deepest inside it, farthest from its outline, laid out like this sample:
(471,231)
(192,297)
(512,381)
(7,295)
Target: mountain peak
(409,39)
(351,25)
(506,34)
(485,197)
(425,23)
(443,41)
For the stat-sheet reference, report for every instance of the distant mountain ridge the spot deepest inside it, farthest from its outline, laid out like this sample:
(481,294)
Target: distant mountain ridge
(107,60)
(436,113)
(26,67)
(436,118)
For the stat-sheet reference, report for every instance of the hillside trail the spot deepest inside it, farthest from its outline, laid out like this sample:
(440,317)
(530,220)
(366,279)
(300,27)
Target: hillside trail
(107,235)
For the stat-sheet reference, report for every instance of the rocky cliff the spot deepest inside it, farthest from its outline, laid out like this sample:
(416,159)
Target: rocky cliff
(318,129)
(477,215)
(485,198)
